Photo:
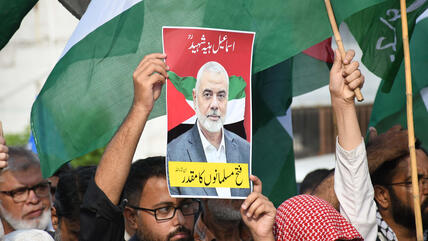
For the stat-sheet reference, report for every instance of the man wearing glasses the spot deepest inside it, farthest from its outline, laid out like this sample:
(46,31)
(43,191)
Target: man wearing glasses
(150,210)
(149,207)
(25,199)
(389,164)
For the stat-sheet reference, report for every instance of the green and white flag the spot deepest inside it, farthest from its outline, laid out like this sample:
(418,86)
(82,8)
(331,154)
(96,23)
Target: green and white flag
(90,90)
(389,109)
(11,15)
(378,32)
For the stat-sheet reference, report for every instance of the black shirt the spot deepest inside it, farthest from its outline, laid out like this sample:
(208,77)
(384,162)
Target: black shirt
(100,219)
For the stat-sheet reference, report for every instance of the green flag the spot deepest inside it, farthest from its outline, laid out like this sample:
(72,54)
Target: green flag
(90,90)
(378,32)
(273,155)
(389,109)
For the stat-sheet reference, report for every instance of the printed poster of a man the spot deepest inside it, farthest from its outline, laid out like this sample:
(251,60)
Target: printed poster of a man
(208,112)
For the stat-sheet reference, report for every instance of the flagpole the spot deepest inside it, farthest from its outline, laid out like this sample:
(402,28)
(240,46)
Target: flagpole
(1,129)
(339,43)
(410,125)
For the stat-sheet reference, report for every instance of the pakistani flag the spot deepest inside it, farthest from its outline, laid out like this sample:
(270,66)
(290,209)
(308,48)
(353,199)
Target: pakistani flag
(90,90)
(378,32)
(389,109)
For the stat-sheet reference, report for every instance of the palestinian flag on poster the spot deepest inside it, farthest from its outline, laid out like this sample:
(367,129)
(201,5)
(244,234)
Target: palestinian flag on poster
(90,90)
(389,109)
(378,32)
(11,15)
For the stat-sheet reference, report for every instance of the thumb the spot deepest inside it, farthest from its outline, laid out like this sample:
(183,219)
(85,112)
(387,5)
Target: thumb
(257,184)
(337,64)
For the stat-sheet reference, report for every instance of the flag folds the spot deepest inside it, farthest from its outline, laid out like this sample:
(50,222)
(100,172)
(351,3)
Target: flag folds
(90,90)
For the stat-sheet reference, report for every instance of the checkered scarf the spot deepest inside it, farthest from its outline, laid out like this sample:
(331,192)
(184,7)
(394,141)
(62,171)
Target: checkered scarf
(306,217)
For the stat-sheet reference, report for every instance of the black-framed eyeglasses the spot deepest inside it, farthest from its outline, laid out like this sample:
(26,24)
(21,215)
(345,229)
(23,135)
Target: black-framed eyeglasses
(421,181)
(21,194)
(187,208)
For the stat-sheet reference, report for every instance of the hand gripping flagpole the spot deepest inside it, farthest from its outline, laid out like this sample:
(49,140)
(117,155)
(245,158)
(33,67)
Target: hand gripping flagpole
(410,125)
(339,43)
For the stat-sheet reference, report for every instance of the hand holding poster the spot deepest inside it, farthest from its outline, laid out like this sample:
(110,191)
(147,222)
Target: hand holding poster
(208,112)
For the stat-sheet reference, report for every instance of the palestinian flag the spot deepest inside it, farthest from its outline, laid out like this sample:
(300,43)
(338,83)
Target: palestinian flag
(90,90)
(11,15)
(389,109)
(185,115)
(378,32)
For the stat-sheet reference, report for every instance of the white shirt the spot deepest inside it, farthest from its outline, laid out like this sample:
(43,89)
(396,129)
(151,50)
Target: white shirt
(354,190)
(215,155)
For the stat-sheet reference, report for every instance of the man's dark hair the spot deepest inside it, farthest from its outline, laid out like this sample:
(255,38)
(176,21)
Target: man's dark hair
(383,174)
(140,172)
(313,179)
(71,188)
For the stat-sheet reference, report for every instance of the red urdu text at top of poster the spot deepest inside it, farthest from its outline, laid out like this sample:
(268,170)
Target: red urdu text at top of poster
(183,62)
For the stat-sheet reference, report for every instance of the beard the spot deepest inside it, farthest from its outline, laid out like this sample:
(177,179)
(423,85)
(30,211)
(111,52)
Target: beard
(405,215)
(208,124)
(223,212)
(144,234)
(41,222)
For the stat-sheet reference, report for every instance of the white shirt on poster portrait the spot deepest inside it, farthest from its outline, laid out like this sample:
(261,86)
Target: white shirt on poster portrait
(214,155)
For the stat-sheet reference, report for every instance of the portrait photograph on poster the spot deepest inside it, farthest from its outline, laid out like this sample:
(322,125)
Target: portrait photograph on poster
(208,112)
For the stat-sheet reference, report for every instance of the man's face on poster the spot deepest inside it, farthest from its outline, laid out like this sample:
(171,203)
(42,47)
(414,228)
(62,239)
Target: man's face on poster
(210,99)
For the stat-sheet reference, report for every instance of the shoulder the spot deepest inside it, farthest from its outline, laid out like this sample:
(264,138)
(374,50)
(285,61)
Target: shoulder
(186,136)
(241,142)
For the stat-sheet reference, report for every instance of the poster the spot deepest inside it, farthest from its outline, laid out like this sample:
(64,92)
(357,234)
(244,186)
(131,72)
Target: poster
(208,112)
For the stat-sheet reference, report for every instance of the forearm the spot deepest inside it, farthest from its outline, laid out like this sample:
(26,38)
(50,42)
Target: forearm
(116,161)
(354,190)
(349,133)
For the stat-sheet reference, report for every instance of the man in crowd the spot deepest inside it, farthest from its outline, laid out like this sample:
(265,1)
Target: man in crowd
(208,141)
(71,187)
(312,180)
(25,200)
(389,162)
(157,216)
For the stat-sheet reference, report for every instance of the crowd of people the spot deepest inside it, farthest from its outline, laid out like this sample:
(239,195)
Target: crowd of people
(366,197)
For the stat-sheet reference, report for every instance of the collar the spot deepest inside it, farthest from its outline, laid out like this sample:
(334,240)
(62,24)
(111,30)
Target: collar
(205,142)
(383,228)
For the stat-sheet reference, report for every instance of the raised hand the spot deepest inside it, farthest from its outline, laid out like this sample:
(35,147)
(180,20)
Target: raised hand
(149,77)
(344,78)
(258,213)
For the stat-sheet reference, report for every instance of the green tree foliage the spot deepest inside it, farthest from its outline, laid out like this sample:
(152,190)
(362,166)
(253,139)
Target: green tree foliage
(21,139)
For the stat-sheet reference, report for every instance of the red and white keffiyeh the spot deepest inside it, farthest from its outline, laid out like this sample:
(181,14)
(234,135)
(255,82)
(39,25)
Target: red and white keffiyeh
(306,217)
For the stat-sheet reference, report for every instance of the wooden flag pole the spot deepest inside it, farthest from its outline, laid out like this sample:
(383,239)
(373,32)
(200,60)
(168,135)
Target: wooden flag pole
(410,125)
(339,43)
(1,129)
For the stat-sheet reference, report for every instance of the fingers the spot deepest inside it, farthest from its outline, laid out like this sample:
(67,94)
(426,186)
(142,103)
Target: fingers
(359,82)
(350,68)
(255,205)
(151,56)
(350,54)
(257,184)
(150,67)
(4,156)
